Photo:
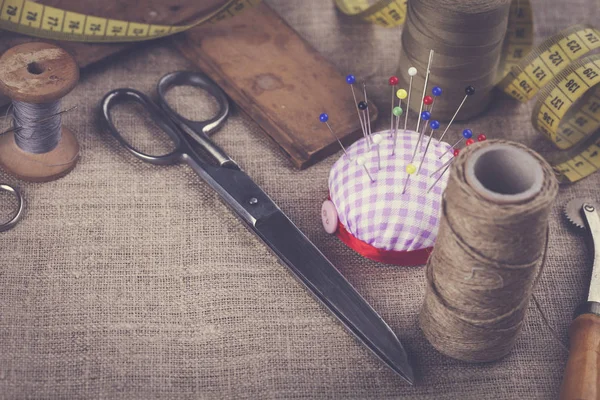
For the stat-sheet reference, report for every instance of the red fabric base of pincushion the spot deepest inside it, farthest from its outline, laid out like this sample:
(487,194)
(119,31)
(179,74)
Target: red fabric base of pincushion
(402,258)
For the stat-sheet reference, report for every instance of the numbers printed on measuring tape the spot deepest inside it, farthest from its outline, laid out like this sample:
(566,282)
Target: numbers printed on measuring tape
(567,82)
(30,18)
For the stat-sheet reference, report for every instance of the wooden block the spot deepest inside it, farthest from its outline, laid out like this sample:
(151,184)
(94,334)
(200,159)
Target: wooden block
(279,80)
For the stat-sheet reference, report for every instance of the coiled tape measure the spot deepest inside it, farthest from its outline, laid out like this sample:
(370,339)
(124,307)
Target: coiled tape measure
(30,18)
(560,70)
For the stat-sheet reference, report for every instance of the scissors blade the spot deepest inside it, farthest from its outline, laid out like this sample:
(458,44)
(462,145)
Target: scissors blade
(328,285)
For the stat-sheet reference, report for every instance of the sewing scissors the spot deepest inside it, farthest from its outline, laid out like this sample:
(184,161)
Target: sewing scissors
(257,210)
(19,209)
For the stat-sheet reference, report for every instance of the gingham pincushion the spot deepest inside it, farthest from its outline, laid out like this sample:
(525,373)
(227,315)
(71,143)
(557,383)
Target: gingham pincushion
(378,213)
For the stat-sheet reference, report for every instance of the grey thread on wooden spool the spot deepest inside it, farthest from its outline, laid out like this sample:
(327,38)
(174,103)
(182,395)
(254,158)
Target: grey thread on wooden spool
(489,251)
(467,37)
(39,125)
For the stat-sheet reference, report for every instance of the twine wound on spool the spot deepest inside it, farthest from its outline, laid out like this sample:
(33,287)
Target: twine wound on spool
(467,38)
(489,252)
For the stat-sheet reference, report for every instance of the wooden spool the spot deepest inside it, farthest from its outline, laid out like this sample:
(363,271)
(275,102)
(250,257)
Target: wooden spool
(38,73)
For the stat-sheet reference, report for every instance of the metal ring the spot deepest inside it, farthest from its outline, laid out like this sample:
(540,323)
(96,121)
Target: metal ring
(15,219)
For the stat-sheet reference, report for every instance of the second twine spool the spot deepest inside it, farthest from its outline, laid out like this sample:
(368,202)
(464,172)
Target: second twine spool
(467,38)
(490,250)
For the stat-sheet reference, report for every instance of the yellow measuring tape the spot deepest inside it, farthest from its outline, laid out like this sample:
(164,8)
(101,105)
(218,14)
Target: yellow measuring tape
(567,110)
(30,18)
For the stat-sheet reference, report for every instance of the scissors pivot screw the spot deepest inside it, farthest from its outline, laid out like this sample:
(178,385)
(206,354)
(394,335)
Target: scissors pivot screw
(253,201)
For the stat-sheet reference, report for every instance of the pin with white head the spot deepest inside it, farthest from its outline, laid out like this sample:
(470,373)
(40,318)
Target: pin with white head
(434,125)
(325,118)
(412,71)
(363,107)
(377,138)
(393,81)
(469,91)
(397,111)
(480,138)
(351,80)
(362,161)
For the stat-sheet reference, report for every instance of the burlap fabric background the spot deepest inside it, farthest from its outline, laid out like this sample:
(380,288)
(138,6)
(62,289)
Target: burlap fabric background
(126,280)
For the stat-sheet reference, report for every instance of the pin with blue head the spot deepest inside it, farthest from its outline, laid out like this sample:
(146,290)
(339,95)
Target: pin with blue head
(324,118)
(466,135)
(436,92)
(434,125)
(469,91)
(351,80)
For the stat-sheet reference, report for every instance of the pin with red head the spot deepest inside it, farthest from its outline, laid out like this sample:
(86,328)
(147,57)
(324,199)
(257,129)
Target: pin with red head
(393,81)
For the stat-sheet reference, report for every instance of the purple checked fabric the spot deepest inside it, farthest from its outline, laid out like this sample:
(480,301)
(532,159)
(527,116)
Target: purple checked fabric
(377,212)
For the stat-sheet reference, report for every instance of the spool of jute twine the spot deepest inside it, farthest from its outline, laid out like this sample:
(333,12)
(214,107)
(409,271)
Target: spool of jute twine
(467,38)
(489,252)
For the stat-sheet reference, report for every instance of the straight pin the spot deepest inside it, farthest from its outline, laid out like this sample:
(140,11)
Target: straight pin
(410,169)
(362,106)
(401,94)
(377,138)
(480,138)
(466,135)
(437,92)
(434,125)
(438,178)
(443,166)
(393,81)
(469,91)
(425,86)
(412,71)
(324,118)
(351,80)
(425,116)
(367,103)
(362,161)
(397,112)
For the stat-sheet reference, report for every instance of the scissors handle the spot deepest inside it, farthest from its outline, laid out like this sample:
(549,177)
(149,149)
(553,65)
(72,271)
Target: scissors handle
(197,130)
(159,117)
